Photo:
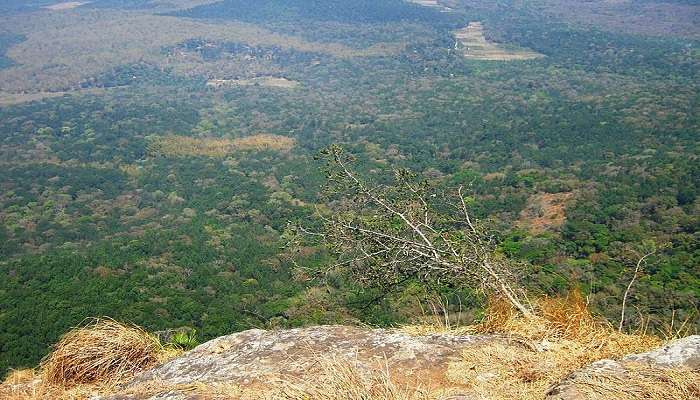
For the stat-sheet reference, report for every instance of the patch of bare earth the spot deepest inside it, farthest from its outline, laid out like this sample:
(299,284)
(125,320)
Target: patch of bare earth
(66,5)
(265,81)
(179,4)
(432,4)
(472,42)
(545,211)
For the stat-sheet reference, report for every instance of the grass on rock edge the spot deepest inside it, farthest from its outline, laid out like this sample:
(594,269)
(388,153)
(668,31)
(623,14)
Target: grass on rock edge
(538,352)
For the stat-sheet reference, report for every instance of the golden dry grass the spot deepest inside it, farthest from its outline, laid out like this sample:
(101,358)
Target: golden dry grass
(20,376)
(534,355)
(27,385)
(641,382)
(30,387)
(265,142)
(185,146)
(540,352)
(331,379)
(215,391)
(39,391)
(88,360)
(103,351)
(341,379)
(556,318)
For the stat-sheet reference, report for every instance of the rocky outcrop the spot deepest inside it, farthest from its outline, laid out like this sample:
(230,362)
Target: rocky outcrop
(258,361)
(261,358)
(677,354)
(681,353)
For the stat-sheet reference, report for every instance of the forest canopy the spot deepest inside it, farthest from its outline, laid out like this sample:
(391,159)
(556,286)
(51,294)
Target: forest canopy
(153,154)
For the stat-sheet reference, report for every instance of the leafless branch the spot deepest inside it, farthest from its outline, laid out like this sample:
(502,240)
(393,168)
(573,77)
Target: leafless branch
(637,270)
(394,233)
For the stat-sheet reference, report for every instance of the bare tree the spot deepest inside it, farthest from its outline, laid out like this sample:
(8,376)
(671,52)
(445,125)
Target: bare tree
(641,257)
(388,234)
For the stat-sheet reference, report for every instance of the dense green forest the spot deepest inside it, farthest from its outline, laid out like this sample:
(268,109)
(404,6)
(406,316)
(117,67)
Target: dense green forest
(7,40)
(574,159)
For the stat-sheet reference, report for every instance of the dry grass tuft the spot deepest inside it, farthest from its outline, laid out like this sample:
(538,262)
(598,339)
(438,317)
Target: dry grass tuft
(641,382)
(560,339)
(20,384)
(342,379)
(539,352)
(20,377)
(28,385)
(104,351)
(561,318)
(89,360)
(218,391)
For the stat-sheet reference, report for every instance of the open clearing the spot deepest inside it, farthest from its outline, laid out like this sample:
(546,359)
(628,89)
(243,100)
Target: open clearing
(66,5)
(63,49)
(265,81)
(545,211)
(7,99)
(186,146)
(473,43)
(432,3)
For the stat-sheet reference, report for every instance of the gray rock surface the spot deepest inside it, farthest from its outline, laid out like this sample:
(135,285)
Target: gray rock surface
(679,353)
(257,360)
(259,357)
